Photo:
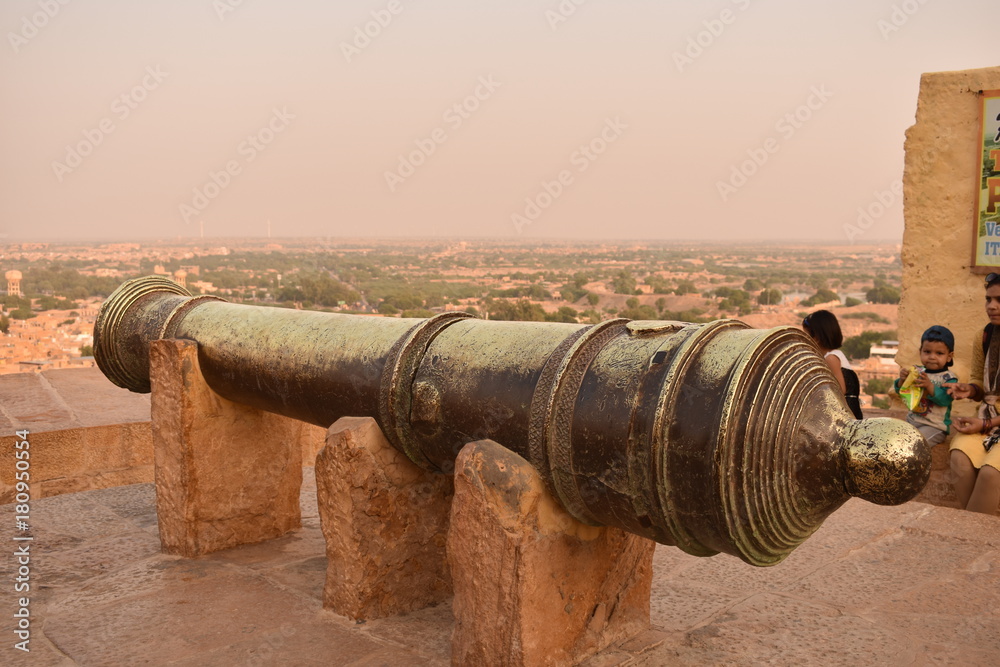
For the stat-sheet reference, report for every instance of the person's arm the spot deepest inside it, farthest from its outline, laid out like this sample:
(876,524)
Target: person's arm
(940,395)
(834,363)
(974,388)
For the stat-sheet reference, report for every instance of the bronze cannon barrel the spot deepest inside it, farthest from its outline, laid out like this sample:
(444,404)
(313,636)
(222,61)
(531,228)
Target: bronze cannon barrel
(710,437)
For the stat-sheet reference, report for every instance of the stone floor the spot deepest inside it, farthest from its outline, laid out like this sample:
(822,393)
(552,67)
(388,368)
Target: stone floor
(909,585)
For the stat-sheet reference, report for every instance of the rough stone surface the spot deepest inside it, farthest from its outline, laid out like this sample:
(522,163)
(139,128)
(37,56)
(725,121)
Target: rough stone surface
(940,191)
(84,432)
(102,593)
(533,586)
(385,522)
(226,474)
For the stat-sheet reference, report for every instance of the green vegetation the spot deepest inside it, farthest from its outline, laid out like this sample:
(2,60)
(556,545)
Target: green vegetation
(495,279)
(874,317)
(822,295)
(770,297)
(86,351)
(624,282)
(685,287)
(882,292)
(4,324)
(859,347)
(878,386)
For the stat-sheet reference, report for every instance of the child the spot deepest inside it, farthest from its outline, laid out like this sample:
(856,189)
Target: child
(932,415)
(823,327)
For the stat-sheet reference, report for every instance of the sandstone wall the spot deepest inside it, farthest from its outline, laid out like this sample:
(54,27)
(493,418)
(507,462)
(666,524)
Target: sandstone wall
(939,201)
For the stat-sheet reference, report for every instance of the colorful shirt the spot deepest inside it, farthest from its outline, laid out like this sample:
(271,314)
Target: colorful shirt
(934,409)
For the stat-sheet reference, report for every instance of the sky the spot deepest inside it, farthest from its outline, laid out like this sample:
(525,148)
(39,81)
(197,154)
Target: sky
(726,120)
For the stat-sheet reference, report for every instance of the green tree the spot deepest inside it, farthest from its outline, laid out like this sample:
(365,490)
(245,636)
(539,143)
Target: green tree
(418,313)
(86,351)
(770,297)
(624,282)
(753,285)
(592,298)
(564,314)
(882,292)
(878,386)
(571,292)
(822,295)
(685,287)
(859,347)
(519,311)
(4,324)
(659,284)
(640,313)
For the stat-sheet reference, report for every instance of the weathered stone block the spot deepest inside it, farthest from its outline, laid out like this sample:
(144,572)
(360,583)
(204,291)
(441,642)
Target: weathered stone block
(533,586)
(384,521)
(226,474)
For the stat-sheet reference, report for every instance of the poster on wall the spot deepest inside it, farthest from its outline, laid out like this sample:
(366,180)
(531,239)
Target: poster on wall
(986,254)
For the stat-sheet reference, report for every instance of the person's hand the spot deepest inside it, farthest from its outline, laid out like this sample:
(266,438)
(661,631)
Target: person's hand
(903,372)
(925,382)
(961,390)
(968,425)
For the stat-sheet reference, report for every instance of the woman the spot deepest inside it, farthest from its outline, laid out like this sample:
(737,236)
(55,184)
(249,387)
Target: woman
(824,329)
(975,460)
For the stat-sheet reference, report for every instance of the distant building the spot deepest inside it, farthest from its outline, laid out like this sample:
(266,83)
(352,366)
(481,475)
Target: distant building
(14,283)
(881,361)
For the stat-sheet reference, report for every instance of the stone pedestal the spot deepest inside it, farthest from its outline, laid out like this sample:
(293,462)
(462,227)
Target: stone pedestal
(384,521)
(533,586)
(226,474)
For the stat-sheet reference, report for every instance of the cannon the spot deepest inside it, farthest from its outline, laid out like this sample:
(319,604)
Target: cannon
(709,437)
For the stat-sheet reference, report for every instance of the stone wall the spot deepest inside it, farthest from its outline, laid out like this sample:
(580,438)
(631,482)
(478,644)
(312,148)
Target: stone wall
(84,433)
(939,201)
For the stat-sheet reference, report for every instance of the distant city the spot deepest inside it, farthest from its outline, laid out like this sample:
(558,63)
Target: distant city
(53,291)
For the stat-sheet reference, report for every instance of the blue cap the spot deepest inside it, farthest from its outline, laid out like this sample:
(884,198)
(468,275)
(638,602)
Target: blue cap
(942,335)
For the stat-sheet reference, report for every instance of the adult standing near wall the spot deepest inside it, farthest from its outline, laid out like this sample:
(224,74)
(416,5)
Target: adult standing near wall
(975,454)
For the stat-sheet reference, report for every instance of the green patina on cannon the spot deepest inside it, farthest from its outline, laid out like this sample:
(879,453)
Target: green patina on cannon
(710,437)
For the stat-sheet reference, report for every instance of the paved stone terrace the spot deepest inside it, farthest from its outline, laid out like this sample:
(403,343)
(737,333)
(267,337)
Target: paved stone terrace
(909,585)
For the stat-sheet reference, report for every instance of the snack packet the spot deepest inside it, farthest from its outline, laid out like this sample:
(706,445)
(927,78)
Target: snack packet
(909,392)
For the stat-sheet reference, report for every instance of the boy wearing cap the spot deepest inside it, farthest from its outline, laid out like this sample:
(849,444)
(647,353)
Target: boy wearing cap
(932,416)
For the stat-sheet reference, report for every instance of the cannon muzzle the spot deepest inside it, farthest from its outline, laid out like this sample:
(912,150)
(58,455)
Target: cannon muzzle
(711,437)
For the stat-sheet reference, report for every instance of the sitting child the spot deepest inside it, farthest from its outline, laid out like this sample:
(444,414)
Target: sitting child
(932,413)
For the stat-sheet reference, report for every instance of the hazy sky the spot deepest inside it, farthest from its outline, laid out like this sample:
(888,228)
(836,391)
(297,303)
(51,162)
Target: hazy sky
(616,119)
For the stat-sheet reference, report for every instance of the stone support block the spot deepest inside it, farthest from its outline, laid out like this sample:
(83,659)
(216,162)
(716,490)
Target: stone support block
(384,520)
(533,586)
(226,474)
